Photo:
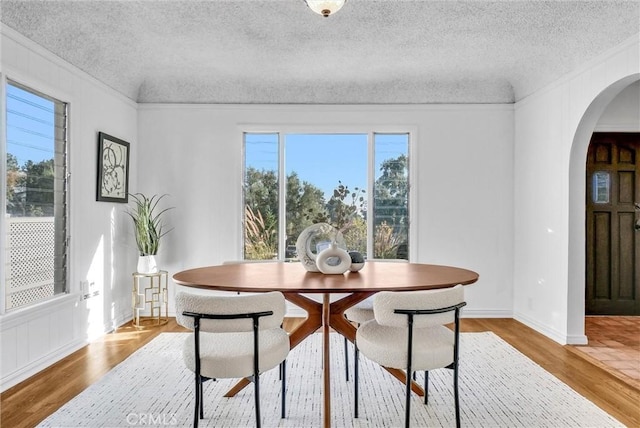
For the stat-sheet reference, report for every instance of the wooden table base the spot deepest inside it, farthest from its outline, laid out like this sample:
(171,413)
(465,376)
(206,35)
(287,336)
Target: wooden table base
(326,360)
(326,316)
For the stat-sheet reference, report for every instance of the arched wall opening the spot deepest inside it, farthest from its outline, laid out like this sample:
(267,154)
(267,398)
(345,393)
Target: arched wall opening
(577,195)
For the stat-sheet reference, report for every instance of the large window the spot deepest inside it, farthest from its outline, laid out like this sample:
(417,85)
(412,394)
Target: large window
(358,183)
(36,197)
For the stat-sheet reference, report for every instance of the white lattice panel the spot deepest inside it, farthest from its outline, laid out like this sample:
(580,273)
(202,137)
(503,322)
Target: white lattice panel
(32,295)
(30,260)
(32,253)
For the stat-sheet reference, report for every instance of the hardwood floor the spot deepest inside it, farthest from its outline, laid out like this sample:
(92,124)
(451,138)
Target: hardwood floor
(28,403)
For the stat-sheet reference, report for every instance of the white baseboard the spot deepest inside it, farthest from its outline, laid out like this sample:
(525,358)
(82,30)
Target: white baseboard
(25,372)
(486,313)
(560,337)
(577,339)
(122,320)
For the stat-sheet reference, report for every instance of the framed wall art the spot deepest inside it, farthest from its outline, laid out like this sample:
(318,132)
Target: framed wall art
(113,169)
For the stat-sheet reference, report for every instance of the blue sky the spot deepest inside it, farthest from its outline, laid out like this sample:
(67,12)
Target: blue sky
(323,159)
(30,126)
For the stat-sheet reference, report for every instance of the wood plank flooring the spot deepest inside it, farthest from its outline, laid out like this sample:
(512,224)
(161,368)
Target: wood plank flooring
(30,402)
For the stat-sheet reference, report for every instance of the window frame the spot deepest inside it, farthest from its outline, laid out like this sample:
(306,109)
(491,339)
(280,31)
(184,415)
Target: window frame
(45,91)
(370,130)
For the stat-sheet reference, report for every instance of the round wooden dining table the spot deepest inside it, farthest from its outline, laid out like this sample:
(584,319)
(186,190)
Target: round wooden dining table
(296,284)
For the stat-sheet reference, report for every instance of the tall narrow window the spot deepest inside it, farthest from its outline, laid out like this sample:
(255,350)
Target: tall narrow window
(391,196)
(36,197)
(326,178)
(261,212)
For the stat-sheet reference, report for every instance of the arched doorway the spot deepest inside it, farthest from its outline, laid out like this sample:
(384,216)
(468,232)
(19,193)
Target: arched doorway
(577,197)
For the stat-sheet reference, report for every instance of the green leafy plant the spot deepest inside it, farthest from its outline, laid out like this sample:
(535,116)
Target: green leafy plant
(147,223)
(343,207)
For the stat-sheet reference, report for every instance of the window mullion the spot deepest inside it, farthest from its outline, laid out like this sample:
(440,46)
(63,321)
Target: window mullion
(282,198)
(371,174)
(60,197)
(3,188)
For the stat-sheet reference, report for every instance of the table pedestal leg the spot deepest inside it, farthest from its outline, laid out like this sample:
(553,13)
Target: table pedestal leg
(309,326)
(326,360)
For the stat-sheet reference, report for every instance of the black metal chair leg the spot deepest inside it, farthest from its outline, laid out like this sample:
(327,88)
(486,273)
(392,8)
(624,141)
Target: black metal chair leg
(407,412)
(201,398)
(256,384)
(197,403)
(407,415)
(456,396)
(346,358)
(426,387)
(283,372)
(356,369)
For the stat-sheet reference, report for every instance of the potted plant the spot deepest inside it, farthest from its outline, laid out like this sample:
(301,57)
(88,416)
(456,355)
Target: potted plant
(148,229)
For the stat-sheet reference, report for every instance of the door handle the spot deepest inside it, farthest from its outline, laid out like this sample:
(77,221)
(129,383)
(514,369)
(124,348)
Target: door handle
(637,225)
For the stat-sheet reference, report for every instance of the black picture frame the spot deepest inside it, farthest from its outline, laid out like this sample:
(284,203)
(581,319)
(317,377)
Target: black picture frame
(113,169)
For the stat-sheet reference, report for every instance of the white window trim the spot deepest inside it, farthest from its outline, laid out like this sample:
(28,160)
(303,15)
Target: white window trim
(3,185)
(8,73)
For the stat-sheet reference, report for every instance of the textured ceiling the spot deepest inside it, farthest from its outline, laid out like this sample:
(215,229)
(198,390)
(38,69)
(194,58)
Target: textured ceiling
(279,51)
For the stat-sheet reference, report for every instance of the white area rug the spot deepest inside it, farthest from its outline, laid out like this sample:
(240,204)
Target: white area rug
(499,387)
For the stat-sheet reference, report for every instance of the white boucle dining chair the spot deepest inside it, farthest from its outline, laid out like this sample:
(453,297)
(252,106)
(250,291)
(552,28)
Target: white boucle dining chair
(233,337)
(359,314)
(409,333)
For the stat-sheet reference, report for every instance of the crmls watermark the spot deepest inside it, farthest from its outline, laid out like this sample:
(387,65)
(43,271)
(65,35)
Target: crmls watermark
(150,419)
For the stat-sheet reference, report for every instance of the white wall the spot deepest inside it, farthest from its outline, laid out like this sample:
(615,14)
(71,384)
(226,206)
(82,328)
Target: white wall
(464,181)
(623,113)
(552,131)
(101,252)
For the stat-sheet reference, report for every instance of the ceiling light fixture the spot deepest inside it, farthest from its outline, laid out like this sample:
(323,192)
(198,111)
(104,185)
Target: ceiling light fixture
(325,7)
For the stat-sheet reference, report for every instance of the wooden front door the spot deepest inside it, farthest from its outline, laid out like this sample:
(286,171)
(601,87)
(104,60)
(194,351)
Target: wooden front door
(613,224)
